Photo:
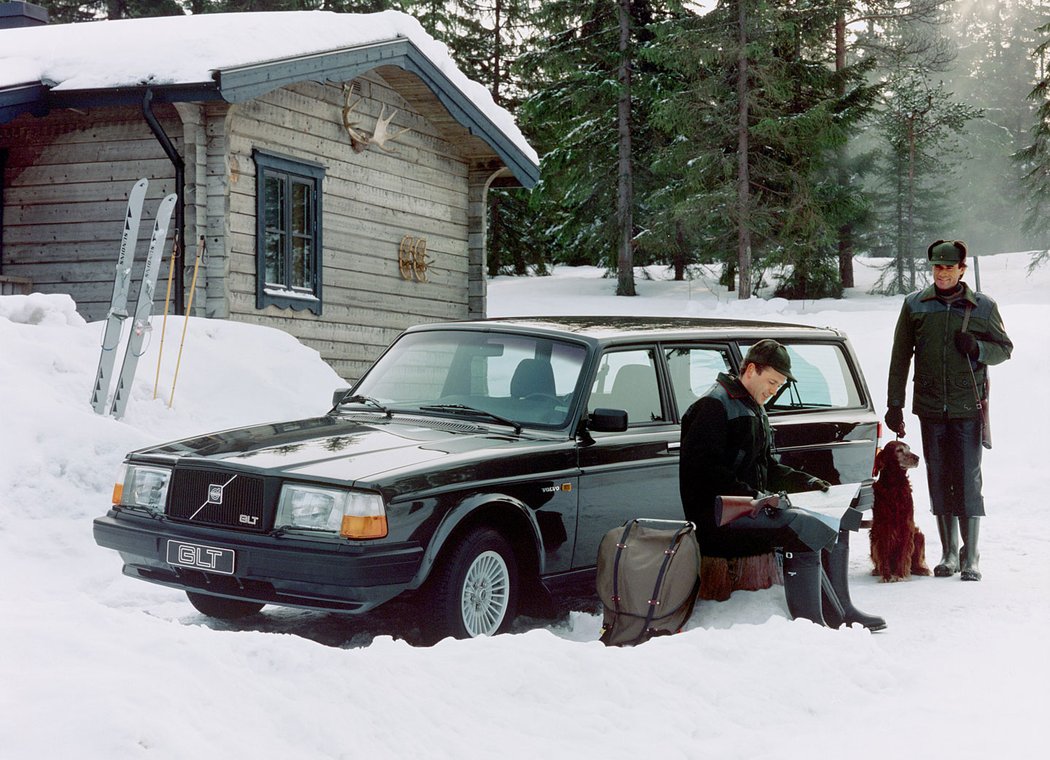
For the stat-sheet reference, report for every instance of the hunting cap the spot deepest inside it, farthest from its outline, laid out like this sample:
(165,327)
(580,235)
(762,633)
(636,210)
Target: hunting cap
(947,252)
(769,353)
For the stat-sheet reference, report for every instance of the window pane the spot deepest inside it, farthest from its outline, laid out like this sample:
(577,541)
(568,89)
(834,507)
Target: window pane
(275,202)
(627,380)
(302,269)
(301,205)
(274,258)
(694,369)
(822,379)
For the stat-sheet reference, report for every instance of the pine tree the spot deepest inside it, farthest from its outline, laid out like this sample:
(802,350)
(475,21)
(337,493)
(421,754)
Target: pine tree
(573,118)
(757,154)
(917,128)
(1035,157)
(994,70)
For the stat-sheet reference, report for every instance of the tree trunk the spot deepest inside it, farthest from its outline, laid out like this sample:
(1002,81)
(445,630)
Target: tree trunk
(625,191)
(909,242)
(743,175)
(845,243)
(899,263)
(679,251)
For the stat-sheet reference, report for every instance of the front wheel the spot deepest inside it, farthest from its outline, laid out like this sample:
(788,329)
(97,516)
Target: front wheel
(222,608)
(475,590)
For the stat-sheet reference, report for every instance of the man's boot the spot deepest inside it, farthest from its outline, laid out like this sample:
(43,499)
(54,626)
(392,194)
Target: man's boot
(802,574)
(970,556)
(948,530)
(836,563)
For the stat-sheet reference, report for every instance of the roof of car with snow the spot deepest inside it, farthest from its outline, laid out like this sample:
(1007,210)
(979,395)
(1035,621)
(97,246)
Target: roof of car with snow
(236,57)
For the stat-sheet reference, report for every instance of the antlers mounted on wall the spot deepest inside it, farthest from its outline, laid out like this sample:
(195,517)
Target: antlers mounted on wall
(381,134)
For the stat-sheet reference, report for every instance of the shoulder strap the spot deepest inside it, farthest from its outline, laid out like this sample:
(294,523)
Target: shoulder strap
(969,364)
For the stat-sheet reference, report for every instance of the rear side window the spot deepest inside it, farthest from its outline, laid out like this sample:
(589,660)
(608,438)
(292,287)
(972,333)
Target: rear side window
(823,379)
(693,371)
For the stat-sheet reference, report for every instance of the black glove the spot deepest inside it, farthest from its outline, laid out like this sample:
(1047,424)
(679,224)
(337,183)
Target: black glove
(895,420)
(966,344)
(817,483)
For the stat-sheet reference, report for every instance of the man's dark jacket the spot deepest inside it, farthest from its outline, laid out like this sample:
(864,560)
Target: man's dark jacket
(943,383)
(727,450)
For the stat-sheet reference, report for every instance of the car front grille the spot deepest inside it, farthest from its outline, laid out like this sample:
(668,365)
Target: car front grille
(215,497)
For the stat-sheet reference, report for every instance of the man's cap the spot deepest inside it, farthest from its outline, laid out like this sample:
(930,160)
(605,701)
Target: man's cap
(947,252)
(769,353)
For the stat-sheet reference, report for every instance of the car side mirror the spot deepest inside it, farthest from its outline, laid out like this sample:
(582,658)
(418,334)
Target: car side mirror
(338,394)
(607,421)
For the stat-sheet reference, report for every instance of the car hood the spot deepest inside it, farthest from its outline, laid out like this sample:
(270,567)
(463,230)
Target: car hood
(348,450)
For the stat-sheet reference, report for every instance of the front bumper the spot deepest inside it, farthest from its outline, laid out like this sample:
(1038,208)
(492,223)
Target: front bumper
(289,570)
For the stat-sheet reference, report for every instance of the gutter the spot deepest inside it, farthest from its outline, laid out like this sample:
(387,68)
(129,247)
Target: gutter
(180,188)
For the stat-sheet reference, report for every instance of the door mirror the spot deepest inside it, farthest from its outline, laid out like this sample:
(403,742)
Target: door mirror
(607,421)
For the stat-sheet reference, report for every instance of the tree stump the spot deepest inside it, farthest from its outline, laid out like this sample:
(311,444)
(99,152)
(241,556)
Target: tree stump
(720,577)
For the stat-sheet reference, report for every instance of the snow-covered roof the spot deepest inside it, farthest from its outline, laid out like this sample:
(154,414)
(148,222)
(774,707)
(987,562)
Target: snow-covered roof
(195,51)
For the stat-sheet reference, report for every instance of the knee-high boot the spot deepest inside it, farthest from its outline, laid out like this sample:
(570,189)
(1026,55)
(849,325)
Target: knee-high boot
(802,588)
(948,530)
(836,563)
(970,556)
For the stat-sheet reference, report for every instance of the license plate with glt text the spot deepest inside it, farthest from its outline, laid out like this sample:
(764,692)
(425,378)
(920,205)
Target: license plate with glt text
(212,559)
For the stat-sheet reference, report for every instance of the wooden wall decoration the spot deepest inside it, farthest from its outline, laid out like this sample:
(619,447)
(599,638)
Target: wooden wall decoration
(412,258)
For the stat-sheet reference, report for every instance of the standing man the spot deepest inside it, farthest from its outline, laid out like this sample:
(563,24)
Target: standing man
(954,333)
(727,450)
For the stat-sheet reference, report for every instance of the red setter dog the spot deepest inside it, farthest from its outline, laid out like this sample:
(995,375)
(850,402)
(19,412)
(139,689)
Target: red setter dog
(898,547)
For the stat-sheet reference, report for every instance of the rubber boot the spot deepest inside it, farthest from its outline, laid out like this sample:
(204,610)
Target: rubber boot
(970,556)
(836,563)
(802,589)
(948,530)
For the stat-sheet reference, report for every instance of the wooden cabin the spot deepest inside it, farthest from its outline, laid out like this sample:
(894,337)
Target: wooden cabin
(339,189)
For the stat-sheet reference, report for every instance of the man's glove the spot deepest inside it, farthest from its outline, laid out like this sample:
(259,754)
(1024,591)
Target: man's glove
(895,420)
(966,344)
(817,483)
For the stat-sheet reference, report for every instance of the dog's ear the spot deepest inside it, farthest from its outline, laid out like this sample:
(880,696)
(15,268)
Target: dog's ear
(878,461)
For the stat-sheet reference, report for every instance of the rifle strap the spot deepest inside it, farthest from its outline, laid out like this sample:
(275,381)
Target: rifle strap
(969,364)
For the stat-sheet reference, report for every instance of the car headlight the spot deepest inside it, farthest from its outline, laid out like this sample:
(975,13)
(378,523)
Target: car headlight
(351,514)
(142,487)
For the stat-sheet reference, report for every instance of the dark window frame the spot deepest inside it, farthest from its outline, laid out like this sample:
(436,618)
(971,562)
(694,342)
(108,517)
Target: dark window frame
(289,171)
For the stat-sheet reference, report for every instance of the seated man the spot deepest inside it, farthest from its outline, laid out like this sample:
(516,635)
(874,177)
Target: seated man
(727,450)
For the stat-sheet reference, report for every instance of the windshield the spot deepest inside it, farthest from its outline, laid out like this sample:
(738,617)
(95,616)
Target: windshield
(525,379)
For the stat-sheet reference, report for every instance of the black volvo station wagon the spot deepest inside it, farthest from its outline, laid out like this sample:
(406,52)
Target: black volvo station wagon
(475,465)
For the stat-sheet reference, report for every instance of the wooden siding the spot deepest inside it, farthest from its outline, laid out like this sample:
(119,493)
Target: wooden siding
(66,182)
(67,177)
(371,200)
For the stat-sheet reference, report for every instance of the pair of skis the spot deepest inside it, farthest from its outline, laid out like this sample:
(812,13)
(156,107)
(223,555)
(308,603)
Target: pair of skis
(118,306)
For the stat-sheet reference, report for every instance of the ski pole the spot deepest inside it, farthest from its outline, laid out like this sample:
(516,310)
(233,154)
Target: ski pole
(186,319)
(167,301)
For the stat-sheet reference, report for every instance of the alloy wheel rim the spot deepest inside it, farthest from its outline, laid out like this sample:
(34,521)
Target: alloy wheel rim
(486,594)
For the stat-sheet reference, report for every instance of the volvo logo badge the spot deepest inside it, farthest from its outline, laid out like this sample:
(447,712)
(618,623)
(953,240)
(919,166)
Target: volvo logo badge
(214,496)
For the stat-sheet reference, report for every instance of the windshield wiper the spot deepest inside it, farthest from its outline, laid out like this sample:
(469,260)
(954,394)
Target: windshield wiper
(359,399)
(464,409)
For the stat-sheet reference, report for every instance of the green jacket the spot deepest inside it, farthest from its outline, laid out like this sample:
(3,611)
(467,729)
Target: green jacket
(943,383)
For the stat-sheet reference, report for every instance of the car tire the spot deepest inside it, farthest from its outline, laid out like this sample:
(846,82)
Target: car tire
(222,608)
(475,589)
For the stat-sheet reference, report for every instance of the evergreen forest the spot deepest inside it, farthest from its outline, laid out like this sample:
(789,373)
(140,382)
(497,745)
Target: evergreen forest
(772,140)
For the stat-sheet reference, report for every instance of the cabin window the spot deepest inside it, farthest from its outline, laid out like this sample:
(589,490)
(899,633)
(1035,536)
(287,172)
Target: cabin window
(288,232)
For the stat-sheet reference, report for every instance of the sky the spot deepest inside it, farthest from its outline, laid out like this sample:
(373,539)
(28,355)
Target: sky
(97,666)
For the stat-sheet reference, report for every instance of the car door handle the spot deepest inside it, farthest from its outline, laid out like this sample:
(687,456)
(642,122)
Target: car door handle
(674,447)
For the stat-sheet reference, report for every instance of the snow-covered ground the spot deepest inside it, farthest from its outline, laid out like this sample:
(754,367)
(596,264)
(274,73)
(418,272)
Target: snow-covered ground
(94,665)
